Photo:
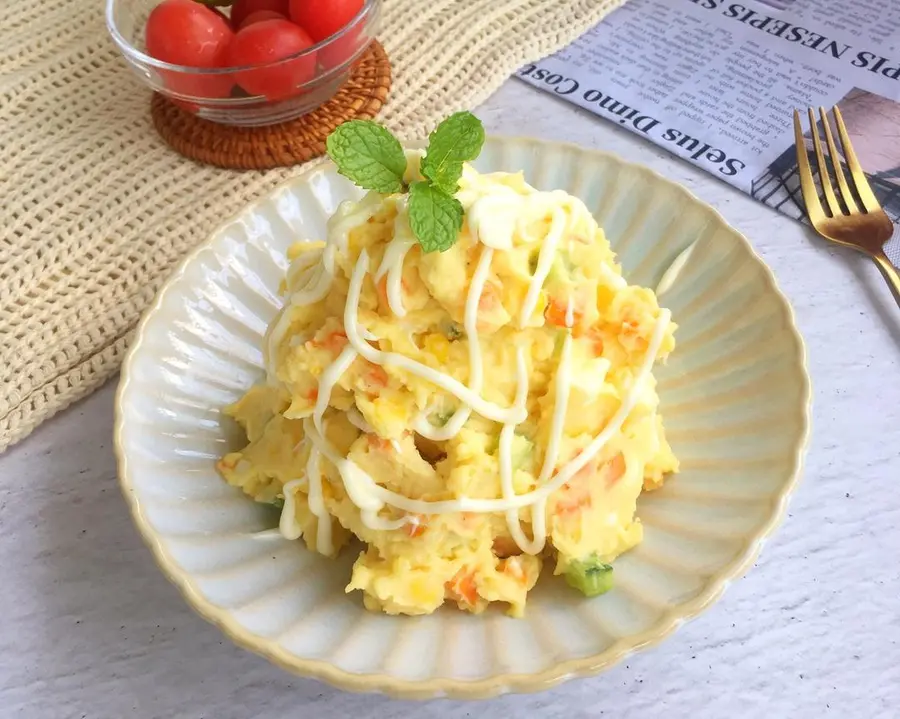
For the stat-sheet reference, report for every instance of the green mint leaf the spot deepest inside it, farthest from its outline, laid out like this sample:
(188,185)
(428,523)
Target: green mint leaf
(456,140)
(369,155)
(434,216)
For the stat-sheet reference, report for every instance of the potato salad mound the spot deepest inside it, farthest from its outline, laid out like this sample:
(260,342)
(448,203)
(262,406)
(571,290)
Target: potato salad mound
(467,415)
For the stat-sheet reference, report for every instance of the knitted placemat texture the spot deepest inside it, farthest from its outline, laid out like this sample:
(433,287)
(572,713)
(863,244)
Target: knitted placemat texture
(97,210)
(284,144)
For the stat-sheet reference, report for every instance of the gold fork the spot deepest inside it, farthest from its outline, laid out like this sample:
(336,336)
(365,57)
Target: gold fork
(866,230)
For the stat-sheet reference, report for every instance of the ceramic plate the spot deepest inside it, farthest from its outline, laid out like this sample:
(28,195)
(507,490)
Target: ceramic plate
(735,400)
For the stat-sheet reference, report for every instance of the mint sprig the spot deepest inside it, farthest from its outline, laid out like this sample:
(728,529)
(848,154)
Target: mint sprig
(373,158)
(434,217)
(456,140)
(369,155)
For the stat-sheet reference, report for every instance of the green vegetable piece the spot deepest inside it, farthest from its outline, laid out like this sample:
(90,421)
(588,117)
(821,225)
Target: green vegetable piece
(453,331)
(590,576)
(522,451)
(435,218)
(456,140)
(441,419)
(369,155)
(277,502)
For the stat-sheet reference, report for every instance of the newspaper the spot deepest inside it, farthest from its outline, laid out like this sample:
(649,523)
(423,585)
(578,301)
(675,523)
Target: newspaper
(716,82)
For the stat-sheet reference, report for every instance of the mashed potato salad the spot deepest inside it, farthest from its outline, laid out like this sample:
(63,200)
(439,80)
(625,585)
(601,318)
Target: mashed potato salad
(461,379)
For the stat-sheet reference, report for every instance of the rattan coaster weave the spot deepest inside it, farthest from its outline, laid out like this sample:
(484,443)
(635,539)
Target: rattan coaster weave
(284,144)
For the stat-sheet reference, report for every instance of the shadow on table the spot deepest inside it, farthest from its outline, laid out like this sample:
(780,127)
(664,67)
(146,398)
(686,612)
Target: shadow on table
(870,280)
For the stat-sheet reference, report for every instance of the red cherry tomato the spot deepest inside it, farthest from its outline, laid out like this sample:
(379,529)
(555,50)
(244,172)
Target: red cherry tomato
(266,42)
(338,51)
(261,15)
(242,8)
(183,32)
(323,18)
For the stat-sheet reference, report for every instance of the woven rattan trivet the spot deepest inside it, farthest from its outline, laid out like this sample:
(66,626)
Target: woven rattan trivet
(282,145)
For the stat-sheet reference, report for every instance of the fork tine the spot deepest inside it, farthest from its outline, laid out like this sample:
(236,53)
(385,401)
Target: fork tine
(845,191)
(859,176)
(807,184)
(824,177)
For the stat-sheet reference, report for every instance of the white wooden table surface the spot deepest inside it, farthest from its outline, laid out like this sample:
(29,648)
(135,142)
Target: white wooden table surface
(90,628)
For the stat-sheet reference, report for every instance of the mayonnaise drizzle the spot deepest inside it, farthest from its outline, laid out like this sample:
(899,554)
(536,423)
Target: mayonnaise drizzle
(357,420)
(445,382)
(372,497)
(476,368)
(287,523)
(316,290)
(317,504)
(493,220)
(394,256)
(675,269)
(544,264)
(507,490)
(328,379)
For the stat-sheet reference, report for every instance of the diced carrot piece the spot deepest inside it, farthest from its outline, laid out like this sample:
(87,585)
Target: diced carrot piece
(381,288)
(312,395)
(513,567)
(415,529)
(576,493)
(614,469)
(574,499)
(596,339)
(336,341)
(225,463)
(376,376)
(462,587)
(378,443)
(556,311)
(490,297)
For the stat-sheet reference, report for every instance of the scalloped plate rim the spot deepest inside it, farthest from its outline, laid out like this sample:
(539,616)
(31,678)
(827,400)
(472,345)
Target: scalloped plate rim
(500,683)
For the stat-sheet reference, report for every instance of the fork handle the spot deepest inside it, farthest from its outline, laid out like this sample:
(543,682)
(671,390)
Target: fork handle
(890,274)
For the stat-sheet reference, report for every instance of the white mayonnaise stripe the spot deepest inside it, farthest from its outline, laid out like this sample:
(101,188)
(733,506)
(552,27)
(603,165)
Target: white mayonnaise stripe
(368,495)
(392,262)
(275,335)
(508,492)
(287,523)
(321,286)
(328,379)
(545,262)
(675,269)
(560,406)
(317,504)
(557,424)
(373,521)
(476,368)
(356,481)
(350,215)
(464,394)
(358,421)
(493,218)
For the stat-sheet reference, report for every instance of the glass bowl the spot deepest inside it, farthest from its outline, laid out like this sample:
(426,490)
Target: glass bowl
(215,95)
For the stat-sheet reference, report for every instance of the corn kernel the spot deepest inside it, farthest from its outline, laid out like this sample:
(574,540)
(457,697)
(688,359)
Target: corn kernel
(439,346)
